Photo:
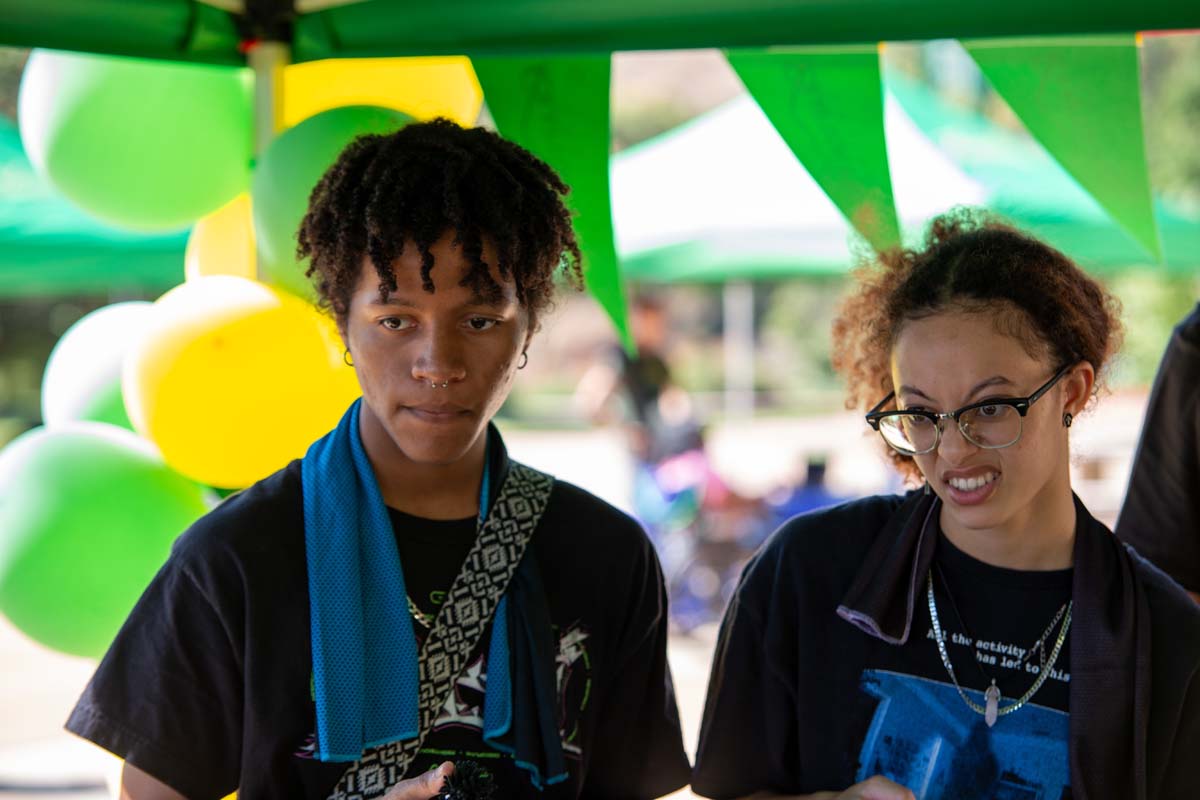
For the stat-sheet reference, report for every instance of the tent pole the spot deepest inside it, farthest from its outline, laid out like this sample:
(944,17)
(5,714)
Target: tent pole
(738,302)
(267,59)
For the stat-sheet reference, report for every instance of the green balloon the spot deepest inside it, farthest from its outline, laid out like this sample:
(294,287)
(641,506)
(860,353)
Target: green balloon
(286,175)
(147,145)
(88,513)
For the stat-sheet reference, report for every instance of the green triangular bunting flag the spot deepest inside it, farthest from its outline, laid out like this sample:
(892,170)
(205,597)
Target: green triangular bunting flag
(827,104)
(557,108)
(1081,99)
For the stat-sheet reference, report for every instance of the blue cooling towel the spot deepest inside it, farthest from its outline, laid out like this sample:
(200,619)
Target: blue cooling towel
(364,650)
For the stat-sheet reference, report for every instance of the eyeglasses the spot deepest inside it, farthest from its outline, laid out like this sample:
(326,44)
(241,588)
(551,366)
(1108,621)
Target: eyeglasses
(990,424)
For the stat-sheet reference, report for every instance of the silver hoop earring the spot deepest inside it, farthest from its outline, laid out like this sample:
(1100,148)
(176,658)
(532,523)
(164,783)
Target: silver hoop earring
(346,358)
(524,359)
(1068,418)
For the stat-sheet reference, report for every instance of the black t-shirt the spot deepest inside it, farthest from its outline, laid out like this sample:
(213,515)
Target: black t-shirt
(802,701)
(431,554)
(1161,513)
(208,685)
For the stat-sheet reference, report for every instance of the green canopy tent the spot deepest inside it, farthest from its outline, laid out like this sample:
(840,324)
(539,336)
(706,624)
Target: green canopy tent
(721,199)
(50,247)
(214,31)
(1027,185)
(507,38)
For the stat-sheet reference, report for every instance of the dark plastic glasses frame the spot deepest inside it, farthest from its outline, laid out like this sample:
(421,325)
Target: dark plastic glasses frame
(1021,404)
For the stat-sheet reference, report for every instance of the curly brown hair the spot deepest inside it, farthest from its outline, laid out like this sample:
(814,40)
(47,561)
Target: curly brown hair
(387,191)
(971,261)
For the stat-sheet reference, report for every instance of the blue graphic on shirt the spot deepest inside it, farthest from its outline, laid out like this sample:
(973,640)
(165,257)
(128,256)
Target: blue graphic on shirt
(923,736)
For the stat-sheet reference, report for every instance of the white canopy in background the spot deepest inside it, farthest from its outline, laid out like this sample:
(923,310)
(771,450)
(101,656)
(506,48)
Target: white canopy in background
(726,190)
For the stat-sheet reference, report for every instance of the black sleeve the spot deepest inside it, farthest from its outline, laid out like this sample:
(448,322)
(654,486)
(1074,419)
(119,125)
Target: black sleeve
(1181,779)
(1161,513)
(167,697)
(748,737)
(638,745)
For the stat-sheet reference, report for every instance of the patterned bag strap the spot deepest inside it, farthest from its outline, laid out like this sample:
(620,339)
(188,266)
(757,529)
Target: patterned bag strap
(460,624)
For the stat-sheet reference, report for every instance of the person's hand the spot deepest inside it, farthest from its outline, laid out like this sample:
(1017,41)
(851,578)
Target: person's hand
(422,787)
(876,787)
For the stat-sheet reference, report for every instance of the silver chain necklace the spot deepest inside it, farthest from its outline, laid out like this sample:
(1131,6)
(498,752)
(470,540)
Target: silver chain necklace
(992,711)
(420,616)
(1040,646)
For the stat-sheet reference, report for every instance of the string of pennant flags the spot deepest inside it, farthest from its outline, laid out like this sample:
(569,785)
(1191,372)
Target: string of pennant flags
(1079,97)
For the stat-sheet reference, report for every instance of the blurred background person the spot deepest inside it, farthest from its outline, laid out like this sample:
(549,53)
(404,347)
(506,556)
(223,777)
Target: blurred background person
(704,531)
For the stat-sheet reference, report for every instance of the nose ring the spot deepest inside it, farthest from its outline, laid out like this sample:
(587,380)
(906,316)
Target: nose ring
(443,385)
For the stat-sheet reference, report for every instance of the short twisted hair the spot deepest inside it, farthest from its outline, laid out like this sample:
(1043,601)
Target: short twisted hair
(971,261)
(387,191)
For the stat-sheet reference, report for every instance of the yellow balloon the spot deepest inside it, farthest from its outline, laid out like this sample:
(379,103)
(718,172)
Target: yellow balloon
(423,88)
(232,379)
(222,243)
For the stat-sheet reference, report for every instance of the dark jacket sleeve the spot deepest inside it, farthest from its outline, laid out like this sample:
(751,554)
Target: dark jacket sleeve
(1173,735)
(1181,780)
(638,751)
(748,737)
(1161,513)
(167,697)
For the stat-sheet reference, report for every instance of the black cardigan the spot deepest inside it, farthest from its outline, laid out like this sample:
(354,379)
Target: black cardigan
(1161,514)
(1135,649)
(1134,695)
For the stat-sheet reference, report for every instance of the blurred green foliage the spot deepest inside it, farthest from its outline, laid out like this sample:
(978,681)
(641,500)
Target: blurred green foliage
(1151,305)
(796,335)
(1171,109)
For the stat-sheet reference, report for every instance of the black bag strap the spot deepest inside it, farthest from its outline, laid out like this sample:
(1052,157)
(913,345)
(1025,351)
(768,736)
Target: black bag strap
(460,624)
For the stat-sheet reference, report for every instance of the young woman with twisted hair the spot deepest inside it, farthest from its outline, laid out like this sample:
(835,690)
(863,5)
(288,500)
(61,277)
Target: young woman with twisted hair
(406,596)
(982,636)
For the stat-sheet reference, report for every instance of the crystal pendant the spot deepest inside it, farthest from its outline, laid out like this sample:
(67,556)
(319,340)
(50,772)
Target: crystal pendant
(992,695)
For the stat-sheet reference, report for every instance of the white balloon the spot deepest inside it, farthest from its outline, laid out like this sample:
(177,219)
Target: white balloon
(83,376)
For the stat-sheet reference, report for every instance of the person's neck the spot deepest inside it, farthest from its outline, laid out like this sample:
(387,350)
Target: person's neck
(431,491)
(1038,538)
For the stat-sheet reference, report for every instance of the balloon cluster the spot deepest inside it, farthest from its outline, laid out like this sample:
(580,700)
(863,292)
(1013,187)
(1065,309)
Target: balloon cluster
(149,407)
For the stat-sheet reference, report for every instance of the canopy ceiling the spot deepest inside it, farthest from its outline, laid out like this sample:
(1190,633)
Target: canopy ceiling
(189,30)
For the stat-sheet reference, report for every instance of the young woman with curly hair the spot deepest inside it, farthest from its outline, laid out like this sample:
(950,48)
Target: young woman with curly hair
(405,596)
(982,636)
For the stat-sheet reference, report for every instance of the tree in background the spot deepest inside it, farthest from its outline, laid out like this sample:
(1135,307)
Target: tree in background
(1151,305)
(1171,108)
(12,64)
